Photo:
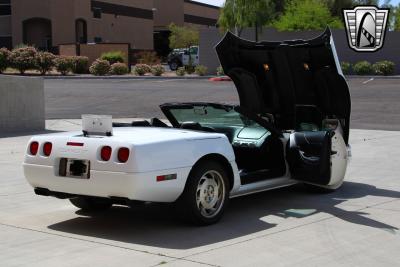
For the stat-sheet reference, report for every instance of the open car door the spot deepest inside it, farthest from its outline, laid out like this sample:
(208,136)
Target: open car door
(299,86)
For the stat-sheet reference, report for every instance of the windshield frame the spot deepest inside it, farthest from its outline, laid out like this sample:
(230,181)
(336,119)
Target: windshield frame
(167,107)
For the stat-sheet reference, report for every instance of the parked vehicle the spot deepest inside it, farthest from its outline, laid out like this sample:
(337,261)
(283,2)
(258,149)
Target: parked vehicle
(180,57)
(292,126)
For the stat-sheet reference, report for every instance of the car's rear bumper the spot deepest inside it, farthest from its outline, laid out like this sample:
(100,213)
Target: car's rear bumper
(132,186)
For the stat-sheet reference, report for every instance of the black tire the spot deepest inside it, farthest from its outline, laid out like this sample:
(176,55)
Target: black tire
(91,203)
(188,207)
(174,65)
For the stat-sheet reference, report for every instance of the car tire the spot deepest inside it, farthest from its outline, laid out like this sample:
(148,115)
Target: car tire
(206,194)
(91,203)
(174,65)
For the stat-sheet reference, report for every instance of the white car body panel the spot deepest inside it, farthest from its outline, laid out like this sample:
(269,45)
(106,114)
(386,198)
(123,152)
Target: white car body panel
(154,152)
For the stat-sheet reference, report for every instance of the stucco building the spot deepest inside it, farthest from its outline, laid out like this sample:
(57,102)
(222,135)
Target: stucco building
(142,23)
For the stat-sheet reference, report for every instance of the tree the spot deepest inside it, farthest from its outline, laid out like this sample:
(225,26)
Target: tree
(336,6)
(396,16)
(183,37)
(239,14)
(307,15)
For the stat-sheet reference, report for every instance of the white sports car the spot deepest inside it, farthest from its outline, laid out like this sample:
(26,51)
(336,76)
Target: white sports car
(292,126)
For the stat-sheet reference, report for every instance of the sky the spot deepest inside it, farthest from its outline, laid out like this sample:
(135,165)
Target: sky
(220,2)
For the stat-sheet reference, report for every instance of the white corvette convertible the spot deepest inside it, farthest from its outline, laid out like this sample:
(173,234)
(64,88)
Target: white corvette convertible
(292,126)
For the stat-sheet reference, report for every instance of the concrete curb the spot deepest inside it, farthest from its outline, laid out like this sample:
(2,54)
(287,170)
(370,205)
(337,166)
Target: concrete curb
(126,78)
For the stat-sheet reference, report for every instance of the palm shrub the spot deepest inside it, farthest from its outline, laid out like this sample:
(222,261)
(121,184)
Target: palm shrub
(44,61)
(23,58)
(100,67)
(362,68)
(384,67)
(201,70)
(64,64)
(4,59)
(142,69)
(119,69)
(113,57)
(346,67)
(181,71)
(157,70)
(80,65)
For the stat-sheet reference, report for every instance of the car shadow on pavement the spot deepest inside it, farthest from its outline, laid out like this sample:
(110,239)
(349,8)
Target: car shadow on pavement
(156,224)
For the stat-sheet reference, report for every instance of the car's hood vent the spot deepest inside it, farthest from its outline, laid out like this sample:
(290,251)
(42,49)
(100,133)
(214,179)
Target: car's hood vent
(291,80)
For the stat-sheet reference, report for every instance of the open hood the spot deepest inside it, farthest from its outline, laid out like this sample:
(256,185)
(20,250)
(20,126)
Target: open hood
(294,81)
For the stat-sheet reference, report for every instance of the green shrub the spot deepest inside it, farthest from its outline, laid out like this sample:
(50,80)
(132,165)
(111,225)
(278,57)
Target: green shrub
(362,68)
(190,69)
(142,69)
(64,64)
(4,59)
(23,58)
(201,70)
(181,71)
(80,65)
(157,70)
(113,57)
(148,57)
(100,67)
(119,69)
(44,62)
(220,71)
(384,67)
(346,67)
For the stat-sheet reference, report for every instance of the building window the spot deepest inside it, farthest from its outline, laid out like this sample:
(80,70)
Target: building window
(96,13)
(5,10)
(98,39)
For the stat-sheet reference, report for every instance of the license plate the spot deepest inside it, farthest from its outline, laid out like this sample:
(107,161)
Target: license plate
(75,168)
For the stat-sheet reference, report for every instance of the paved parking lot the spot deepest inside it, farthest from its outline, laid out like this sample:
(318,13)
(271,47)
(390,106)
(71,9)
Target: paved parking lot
(374,102)
(356,226)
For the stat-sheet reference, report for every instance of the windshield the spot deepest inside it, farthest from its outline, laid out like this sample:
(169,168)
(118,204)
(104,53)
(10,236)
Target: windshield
(212,116)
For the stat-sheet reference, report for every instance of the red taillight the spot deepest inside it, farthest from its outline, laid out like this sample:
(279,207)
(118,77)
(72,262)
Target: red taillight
(123,154)
(47,149)
(33,148)
(105,153)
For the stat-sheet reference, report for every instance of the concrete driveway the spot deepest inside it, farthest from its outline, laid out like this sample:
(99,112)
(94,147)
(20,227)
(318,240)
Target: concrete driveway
(356,226)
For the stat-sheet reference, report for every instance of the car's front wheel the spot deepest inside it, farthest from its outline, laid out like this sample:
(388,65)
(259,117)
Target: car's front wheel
(91,203)
(206,194)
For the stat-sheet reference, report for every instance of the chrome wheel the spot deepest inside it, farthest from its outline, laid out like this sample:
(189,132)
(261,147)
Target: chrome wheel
(210,194)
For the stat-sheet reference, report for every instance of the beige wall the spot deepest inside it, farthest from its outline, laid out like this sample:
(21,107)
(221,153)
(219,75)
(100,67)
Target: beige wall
(145,4)
(63,13)
(201,11)
(168,11)
(138,32)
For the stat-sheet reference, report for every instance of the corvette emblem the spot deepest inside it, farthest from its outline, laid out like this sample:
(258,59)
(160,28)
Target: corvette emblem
(366,27)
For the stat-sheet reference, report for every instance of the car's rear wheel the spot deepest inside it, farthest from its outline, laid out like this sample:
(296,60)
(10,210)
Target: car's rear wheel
(206,194)
(91,203)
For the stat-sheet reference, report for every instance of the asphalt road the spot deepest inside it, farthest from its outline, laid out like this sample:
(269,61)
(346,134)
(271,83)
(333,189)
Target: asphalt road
(374,102)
